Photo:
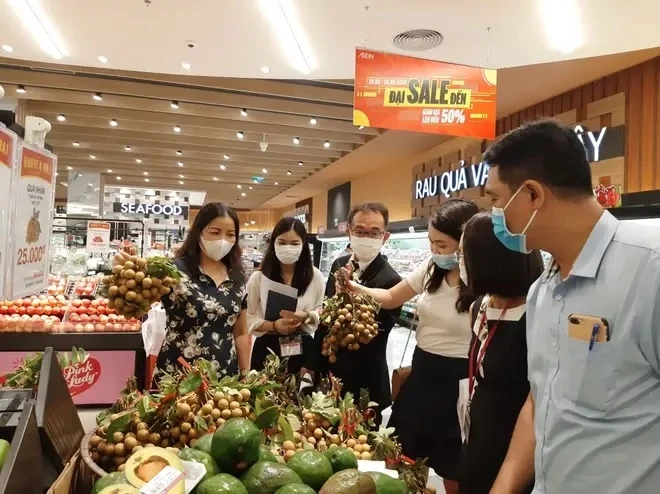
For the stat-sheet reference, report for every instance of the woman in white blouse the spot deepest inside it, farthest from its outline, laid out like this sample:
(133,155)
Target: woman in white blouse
(288,261)
(424,412)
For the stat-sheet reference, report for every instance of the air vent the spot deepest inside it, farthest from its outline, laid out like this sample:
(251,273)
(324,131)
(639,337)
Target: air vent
(418,40)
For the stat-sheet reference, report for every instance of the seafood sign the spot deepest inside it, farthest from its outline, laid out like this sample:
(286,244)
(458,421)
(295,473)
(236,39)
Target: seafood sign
(31,220)
(7,167)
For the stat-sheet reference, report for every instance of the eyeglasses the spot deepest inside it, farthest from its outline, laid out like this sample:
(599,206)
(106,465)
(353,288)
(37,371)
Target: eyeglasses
(371,234)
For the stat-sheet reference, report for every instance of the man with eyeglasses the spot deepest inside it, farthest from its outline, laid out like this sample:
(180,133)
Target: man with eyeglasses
(365,368)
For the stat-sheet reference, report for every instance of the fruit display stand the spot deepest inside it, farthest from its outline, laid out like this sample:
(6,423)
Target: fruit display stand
(21,470)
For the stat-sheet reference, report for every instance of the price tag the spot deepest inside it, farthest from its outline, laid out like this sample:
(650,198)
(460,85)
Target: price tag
(290,346)
(194,473)
(162,483)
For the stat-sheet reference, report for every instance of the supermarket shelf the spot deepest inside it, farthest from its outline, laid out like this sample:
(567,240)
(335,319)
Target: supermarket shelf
(26,342)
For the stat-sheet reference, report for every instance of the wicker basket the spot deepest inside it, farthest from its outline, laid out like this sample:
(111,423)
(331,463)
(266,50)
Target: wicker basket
(86,456)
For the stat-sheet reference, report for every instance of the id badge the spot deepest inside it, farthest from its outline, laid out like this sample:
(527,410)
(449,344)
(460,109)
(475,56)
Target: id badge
(290,346)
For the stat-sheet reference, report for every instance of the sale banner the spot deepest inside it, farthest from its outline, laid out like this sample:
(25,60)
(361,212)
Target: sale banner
(406,93)
(98,237)
(8,142)
(32,219)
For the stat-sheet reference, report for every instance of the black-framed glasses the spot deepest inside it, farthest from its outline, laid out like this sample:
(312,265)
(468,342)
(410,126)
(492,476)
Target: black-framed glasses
(374,234)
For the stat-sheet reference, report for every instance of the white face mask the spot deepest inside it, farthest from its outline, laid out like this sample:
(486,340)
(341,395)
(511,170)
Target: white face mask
(366,249)
(215,249)
(463,272)
(288,254)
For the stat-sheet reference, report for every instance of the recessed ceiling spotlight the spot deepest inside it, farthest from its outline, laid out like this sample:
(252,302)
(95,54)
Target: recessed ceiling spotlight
(138,160)
(240,134)
(215,178)
(300,163)
(98,96)
(223,167)
(361,127)
(181,182)
(239,186)
(109,170)
(113,122)
(92,157)
(277,183)
(250,187)
(244,112)
(7,48)
(264,170)
(226,156)
(69,168)
(242,194)
(312,121)
(90,185)
(75,144)
(174,105)
(265,69)
(186,65)
(179,153)
(252,222)
(326,144)
(61,117)
(146,179)
(180,163)
(21,89)
(127,148)
(177,129)
(296,140)
(145,173)
(181,176)
(103,59)
(118,178)
(288,172)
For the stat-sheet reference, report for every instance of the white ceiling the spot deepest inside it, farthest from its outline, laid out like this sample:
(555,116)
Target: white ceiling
(234,38)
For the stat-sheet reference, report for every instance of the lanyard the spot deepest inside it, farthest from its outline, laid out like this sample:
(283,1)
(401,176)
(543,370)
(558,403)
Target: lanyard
(474,369)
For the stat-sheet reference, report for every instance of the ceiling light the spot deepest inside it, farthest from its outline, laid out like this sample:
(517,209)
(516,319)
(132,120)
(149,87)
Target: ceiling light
(92,157)
(250,187)
(138,160)
(146,179)
(361,127)
(75,144)
(64,184)
(7,48)
(277,183)
(226,156)
(37,23)
(118,178)
(285,24)
(223,167)
(145,173)
(181,182)
(243,194)
(244,112)
(69,168)
(312,121)
(90,185)
(300,163)
(288,172)
(246,223)
(98,96)
(180,163)
(57,174)
(181,176)
(179,153)
(174,105)
(326,144)
(239,186)
(296,140)
(240,134)
(215,178)
(177,129)
(113,122)
(61,117)
(264,170)
(252,222)
(186,65)
(563,31)
(103,59)
(265,69)
(21,89)
(109,170)
(127,148)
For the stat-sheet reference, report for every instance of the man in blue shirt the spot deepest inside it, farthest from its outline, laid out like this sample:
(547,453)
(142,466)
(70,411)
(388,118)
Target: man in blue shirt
(592,421)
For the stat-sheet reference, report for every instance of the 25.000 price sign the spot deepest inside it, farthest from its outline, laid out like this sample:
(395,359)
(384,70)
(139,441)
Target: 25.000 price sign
(30,255)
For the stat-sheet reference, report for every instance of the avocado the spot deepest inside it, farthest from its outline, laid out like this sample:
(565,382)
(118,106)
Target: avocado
(388,485)
(204,443)
(235,447)
(266,477)
(120,489)
(295,489)
(265,454)
(313,468)
(108,480)
(4,451)
(189,454)
(341,459)
(144,465)
(349,482)
(221,484)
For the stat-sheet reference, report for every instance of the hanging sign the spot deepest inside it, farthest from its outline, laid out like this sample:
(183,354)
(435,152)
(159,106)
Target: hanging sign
(8,142)
(406,93)
(98,237)
(31,220)
(148,209)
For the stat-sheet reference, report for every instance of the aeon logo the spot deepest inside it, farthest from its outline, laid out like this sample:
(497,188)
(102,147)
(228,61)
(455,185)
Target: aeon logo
(366,55)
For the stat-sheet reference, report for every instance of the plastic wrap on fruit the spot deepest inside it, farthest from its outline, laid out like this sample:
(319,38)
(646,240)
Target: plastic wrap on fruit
(349,317)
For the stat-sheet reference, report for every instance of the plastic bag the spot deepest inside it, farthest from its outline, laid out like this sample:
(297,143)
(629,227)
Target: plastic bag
(153,330)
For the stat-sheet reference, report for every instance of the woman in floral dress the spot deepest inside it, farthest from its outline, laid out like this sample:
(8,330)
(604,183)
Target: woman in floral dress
(206,312)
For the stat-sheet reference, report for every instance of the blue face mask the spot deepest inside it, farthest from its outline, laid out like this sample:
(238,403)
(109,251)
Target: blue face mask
(516,242)
(445,261)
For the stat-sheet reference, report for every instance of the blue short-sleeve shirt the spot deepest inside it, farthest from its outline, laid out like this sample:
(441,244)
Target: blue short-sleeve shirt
(597,412)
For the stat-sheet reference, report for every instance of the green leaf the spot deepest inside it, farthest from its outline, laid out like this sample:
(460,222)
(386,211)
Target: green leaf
(267,418)
(190,383)
(201,423)
(120,424)
(287,431)
(144,407)
(294,421)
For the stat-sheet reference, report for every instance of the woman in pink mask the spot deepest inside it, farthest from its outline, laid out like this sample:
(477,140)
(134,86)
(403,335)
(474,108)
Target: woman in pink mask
(206,315)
